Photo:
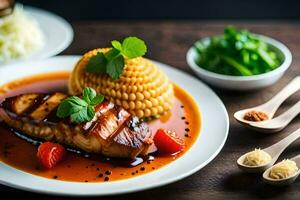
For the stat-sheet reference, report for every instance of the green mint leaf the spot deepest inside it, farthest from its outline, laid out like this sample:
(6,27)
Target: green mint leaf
(64,109)
(70,105)
(86,114)
(80,110)
(111,54)
(96,100)
(133,47)
(117,45)
(90,112)
(97,64)
(115,67)
(89,94)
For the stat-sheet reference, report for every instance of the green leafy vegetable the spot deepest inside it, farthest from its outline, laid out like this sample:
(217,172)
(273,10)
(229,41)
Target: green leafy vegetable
(97,64)
(115,67)
(133,47)
(238,53)
(80,110)
(112,62)
(117,45)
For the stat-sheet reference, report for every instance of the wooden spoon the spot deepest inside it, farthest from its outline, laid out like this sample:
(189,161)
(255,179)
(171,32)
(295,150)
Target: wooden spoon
(278,123)
(274,151)
(285,181)
(271,106)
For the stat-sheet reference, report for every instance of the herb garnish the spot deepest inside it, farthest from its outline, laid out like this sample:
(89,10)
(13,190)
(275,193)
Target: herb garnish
(112,62)
(80,110)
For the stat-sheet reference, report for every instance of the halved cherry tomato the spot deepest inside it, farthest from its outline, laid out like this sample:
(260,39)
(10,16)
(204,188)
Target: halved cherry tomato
(167,142)
(49,154)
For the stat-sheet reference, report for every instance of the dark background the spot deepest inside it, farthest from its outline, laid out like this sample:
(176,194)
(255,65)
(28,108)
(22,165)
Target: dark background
(171,9)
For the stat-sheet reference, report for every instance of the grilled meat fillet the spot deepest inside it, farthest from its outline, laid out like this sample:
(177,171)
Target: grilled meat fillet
(113,131)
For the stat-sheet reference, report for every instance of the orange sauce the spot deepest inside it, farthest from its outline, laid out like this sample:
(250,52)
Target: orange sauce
(184,119)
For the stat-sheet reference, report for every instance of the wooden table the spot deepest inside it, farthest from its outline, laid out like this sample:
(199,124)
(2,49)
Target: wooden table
(168,42)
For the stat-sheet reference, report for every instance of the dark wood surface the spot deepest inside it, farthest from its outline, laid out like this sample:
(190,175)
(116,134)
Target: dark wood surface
(168,42)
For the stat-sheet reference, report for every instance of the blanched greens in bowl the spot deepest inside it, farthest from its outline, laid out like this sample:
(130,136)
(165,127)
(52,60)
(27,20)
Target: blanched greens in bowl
(237,53)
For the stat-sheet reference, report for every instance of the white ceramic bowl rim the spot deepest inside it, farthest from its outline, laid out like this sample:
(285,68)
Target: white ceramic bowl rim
(287,60)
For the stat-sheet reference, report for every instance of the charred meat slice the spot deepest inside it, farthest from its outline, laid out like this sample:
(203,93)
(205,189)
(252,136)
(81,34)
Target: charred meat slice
(113,131)
(130,139)
(49,104)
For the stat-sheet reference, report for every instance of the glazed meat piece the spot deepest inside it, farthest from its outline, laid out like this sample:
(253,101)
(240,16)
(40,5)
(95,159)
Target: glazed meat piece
(113,132)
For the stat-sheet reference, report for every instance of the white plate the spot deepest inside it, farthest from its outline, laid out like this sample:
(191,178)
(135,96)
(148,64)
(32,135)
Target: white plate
(58,35)
(214,130)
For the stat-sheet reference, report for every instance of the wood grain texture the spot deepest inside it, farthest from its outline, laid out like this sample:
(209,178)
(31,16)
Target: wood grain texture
(168,42)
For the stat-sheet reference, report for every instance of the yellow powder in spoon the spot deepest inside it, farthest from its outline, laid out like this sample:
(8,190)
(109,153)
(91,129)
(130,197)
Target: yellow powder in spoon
(256,158)
(284,169)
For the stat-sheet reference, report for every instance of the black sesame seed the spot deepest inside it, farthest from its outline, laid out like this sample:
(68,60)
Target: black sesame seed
(187,129)
(100,175)
(98,169)
(106,179)
(137,171)
(86,166)
(186,135)
(182,117)
(182,106)
(153,167)
(148,161)
(86,181)
(108,172)
(121,174)
(133,173)
(187,122)
(142,168)
(55,177)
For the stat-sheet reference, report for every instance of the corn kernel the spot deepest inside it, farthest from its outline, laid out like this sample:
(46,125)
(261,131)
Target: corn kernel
(119,95)
(148,103)
(125,104)
(134,89)
(146,94)
(131,105)
(132,97)
(139,96)
(147,112)
(124,96)
(140,113)
(138,105)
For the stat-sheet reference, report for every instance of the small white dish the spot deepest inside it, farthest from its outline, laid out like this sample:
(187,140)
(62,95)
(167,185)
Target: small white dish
(58,35)
(204,150)
(243,82)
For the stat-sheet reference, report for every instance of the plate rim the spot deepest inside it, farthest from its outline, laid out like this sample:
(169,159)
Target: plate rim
(74,58)
(67,26)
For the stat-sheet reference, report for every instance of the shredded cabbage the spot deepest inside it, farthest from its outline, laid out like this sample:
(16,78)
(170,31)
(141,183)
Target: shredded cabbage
(20,35)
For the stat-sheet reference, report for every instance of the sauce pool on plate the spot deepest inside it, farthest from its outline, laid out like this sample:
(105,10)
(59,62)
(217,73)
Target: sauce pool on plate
(184,119)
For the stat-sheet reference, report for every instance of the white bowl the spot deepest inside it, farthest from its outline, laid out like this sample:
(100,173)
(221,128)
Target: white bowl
(244,82)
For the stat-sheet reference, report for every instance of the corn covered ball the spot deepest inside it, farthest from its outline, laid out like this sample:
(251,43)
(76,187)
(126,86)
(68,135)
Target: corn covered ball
(143,89)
